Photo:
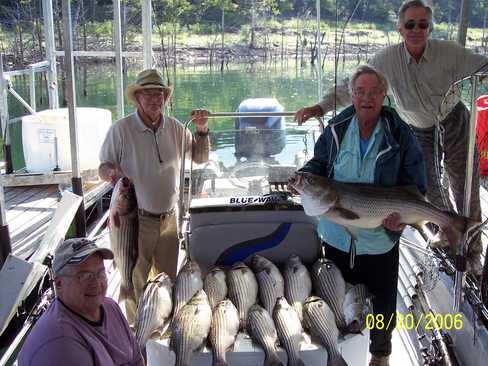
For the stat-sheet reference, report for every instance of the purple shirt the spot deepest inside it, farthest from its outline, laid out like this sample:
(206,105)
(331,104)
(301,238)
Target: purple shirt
(62,337)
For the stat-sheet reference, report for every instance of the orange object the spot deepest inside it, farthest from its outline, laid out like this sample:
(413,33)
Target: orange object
(482,132)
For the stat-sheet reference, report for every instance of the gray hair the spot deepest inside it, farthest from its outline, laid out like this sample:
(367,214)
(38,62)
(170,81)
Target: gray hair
(366,69)
(414,4)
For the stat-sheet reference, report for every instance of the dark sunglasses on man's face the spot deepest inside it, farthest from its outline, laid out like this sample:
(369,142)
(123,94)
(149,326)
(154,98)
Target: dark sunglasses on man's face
(411,24)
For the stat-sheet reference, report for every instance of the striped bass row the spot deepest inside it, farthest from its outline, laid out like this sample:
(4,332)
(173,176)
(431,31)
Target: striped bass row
(276,315)
(355,205)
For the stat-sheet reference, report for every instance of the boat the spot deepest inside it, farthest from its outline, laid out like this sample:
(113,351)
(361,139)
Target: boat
(249,191)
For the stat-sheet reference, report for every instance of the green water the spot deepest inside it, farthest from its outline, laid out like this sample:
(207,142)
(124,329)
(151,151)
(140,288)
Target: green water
(194,87)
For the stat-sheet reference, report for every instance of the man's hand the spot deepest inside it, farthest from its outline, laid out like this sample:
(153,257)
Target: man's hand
(109,172)
(392,222)
(200,119)
(304,114)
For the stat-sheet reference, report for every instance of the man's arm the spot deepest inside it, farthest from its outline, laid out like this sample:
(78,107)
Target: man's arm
(333,98)
(60,352)
(110,155)
(201,141)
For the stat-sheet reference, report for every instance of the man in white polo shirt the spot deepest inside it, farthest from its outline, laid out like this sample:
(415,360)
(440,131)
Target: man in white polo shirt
(145,146)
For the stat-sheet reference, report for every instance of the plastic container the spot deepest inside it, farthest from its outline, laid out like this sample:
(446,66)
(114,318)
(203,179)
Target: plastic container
(482,132)
(46,139)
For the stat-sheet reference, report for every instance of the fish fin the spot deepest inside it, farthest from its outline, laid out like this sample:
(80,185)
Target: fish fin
(346,214)
(413,191)
(115,220)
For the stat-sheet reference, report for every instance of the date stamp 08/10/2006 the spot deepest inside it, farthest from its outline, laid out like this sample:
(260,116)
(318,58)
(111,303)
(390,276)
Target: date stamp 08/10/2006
(428,321)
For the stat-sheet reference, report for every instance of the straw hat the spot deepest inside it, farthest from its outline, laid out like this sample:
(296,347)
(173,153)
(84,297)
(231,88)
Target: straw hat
(148,79)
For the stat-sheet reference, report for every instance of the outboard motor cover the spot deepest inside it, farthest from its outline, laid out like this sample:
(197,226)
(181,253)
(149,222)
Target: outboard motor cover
(259,137)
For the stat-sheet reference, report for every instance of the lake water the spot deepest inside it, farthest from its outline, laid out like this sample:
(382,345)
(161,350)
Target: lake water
(194,87)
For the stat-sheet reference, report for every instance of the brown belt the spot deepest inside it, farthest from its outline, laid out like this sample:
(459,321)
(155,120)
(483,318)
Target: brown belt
(161,215)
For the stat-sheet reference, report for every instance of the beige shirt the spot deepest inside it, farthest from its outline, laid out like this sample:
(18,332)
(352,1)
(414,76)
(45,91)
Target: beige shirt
(150,159)
(419,89)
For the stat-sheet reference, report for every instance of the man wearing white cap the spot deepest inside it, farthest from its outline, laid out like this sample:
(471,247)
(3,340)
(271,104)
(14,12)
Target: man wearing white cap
(145,146)
(82,326)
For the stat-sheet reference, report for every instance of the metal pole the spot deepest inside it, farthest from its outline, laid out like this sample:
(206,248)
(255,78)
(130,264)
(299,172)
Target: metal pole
(463,22)
(319,54)
(222,36)
(77,184)
(460,257)
(47,10)
(118,60)
(32,88)
(147,33)
(4,117)
(5,243)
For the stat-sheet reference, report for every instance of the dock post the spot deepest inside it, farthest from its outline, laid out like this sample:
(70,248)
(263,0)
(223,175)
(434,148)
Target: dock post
(5,244)
(76,180)
(80,218)
(4,120)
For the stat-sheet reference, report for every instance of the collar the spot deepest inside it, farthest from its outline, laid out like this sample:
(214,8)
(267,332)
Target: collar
(378,128)
(142,127)
(426,56)
(91,322)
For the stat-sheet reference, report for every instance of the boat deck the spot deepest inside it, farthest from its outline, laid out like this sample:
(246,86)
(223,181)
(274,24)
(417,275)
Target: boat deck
(29,210)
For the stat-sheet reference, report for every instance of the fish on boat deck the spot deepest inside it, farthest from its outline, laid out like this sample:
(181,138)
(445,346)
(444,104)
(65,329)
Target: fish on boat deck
(357,205)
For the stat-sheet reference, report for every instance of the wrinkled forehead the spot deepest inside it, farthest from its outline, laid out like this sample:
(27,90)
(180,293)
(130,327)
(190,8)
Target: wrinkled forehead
(367,81)
(416,13)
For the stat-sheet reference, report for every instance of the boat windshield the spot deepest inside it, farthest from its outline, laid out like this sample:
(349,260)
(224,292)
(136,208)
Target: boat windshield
(251,161)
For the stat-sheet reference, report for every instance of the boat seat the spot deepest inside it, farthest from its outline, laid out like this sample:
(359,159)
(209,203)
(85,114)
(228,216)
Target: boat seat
(222,237)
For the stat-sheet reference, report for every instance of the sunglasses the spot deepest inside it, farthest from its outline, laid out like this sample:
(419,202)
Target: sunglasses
(411,24)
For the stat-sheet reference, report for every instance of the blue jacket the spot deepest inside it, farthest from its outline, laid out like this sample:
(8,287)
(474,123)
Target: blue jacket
(399,161)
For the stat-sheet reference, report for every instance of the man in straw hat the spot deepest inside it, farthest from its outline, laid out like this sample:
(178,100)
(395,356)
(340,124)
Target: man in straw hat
(145,146)
(81,326)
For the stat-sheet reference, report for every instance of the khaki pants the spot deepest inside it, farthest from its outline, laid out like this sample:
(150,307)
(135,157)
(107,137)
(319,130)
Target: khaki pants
(158,252)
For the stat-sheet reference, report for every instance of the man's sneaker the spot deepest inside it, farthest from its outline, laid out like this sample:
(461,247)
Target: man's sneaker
(379,361)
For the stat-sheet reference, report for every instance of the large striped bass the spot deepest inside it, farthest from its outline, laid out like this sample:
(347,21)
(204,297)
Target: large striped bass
(154,308)
(318,317)
(223,330)
(188,282)
(123,228)
(190,328)
(354,205)
(270,281)
(242,289)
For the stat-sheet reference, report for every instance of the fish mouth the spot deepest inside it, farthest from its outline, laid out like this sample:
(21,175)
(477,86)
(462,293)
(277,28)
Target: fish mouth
(295,179)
